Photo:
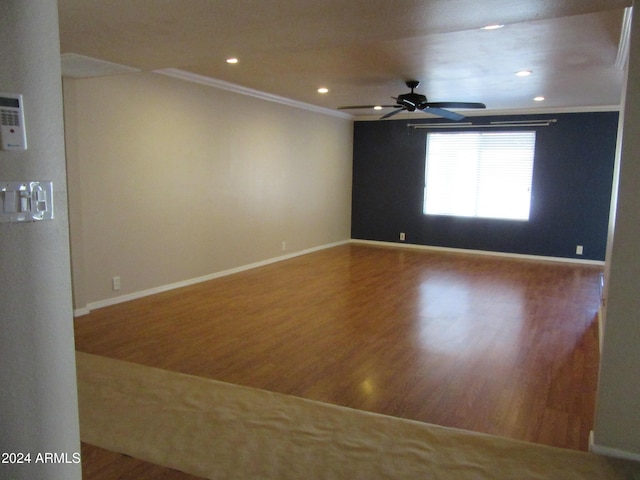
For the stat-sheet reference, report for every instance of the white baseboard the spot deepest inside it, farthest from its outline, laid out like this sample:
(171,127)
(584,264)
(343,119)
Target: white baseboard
(519,256)
(78,312)
(163,288)
(600,328)
(610,451)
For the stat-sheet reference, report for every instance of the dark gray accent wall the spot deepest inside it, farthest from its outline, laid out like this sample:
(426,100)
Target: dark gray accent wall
(571,191)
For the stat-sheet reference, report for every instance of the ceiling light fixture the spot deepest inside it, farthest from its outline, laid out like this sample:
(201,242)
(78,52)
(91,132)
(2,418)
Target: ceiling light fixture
(492,27)
(232,60)
(323,90)
(377,107)
(524,73)
(539,99)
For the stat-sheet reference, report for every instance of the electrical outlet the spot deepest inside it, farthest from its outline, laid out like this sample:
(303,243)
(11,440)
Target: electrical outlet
(402,236)
(579,249)
(115,283)
(284,246)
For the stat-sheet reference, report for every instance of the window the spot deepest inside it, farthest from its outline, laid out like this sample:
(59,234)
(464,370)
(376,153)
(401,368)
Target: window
(479,174)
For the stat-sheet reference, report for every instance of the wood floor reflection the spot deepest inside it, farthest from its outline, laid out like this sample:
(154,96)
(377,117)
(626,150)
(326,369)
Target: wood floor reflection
(499,346)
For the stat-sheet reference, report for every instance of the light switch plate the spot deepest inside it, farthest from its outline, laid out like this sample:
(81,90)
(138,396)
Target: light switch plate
(27,201)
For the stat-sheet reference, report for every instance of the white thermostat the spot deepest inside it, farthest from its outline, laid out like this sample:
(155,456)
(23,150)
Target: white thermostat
(12,131)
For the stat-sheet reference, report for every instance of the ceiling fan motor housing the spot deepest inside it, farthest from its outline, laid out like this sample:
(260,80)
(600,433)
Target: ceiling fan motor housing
(411,100)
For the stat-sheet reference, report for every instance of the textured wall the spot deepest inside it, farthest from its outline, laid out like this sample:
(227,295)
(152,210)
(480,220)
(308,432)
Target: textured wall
(571,190)
(617,425)
(171,181)
(38,403)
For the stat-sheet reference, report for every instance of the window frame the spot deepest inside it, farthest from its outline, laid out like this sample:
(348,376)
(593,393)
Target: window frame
(529,169)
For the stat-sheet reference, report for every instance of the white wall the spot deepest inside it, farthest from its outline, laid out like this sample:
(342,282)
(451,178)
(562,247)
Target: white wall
(617,425)
(171,180)
(38,402)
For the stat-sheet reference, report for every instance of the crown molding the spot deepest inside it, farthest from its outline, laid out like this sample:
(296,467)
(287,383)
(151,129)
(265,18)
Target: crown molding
(625,37)
(74,65)
(502,112)
(231,87)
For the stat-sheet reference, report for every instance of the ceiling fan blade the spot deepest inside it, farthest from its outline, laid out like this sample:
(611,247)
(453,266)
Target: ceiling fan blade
(443,113)
(365,106)
(455,105)
(391,114)
(412,101)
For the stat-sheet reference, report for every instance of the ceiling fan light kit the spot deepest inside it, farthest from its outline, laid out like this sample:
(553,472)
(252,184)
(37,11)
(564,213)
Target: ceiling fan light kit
(412,101)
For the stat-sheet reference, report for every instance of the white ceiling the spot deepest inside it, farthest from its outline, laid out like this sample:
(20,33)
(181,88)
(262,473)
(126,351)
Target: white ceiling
(364,50)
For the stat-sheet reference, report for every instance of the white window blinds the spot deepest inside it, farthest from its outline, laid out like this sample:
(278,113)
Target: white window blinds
(479,174)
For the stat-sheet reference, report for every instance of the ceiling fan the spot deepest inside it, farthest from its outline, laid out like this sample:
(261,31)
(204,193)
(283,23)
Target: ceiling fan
(415,101)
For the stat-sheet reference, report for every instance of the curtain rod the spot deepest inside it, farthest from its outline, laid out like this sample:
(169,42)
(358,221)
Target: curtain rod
(512,123)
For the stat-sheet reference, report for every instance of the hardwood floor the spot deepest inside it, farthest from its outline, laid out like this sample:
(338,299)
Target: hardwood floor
(100,464)
(500,346)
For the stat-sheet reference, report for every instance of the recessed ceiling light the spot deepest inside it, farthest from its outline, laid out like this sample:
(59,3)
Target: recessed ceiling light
(492,27)
(377,107)
(323,90)
(539,99)
(232,60)
(524,73)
